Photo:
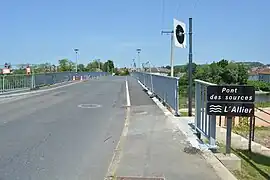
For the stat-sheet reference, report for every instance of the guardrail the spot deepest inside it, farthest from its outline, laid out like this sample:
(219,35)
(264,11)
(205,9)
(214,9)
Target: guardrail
(15,82)
(204,124)
(9,83)
(163,87)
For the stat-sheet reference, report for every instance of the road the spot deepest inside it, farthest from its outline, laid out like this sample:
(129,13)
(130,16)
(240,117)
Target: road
(50,137)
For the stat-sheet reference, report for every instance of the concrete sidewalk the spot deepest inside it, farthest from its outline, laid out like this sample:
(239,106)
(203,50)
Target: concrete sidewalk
(153,147)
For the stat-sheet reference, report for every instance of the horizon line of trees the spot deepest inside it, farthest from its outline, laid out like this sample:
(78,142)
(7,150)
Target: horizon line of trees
(221,72)
(64,65)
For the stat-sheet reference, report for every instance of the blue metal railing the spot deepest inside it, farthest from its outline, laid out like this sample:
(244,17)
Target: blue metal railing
(204,124)
(164,87)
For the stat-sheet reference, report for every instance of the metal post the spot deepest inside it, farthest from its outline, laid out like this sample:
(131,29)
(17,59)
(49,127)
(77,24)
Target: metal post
(33,78)
(253,127)
(229,134)
(139,61)
(172,64)
(172,49)
(177,98)
(212,129)
(190,70)
(151,76)
(76,61)
(76,51)
(250,134)
(3,84)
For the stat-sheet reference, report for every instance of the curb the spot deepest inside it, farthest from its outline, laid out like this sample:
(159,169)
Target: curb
(210,158)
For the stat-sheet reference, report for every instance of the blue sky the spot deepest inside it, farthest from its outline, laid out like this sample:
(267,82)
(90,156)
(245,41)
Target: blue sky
(37,31)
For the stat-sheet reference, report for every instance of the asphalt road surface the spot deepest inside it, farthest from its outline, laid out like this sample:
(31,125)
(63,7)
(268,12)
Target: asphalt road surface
(51,137)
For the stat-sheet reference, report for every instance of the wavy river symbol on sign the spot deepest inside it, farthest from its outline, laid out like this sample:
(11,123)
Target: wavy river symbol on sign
(215,108)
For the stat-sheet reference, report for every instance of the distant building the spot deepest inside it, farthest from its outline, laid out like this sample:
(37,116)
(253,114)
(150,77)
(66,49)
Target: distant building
(260,74)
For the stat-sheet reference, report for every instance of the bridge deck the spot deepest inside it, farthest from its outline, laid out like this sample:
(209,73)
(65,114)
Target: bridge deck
(153,147)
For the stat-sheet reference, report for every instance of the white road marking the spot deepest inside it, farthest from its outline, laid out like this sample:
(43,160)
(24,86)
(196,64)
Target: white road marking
(128,96)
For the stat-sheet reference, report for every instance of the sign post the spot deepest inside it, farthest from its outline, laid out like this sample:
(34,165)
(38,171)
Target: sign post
(230,101)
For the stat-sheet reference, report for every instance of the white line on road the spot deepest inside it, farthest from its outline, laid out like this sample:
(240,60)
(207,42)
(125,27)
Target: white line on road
(127,92)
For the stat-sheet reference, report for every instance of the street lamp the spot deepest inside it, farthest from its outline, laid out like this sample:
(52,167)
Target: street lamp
(76,51)
(139,64)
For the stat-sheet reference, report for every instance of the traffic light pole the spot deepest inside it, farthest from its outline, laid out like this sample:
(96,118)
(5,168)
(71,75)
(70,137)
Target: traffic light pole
(190,70)
(172,50)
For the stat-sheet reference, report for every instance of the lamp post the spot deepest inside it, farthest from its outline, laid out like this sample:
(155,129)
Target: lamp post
(139,63)
(76,51)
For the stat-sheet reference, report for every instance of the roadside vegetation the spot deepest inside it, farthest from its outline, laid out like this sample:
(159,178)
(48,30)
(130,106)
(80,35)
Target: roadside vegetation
(122,72)
(221,72)
(262,104)
(254,166)
(262,134)
(64,65)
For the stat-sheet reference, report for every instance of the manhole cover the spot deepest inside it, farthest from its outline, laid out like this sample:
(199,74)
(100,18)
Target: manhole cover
(89,106)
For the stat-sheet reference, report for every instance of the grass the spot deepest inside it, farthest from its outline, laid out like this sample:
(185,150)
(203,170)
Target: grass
(262,104)
(254,166)
(262,134)
(184,113)
(183,101)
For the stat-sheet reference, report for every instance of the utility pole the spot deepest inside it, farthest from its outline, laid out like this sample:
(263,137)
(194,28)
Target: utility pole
(190,70)
(139,63)
(134,65)
(76,51)
(171,59)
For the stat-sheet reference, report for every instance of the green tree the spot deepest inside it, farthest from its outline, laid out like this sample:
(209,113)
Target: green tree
(66,65)
(94,66)
(242,74)
(108,66)
(81,68)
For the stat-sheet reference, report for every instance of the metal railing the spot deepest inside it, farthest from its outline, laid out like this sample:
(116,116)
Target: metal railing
(10,83)
(259,124)
(164,87)
(14,82)
(204,124)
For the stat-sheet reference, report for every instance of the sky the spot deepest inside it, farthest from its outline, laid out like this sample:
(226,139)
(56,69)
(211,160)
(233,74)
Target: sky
(38,31)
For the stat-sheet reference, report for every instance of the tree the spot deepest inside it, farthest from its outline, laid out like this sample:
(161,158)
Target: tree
(222,72)
(81,68)
(108,66)
(94,66)
(242,74)
(66,65)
